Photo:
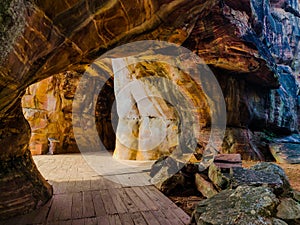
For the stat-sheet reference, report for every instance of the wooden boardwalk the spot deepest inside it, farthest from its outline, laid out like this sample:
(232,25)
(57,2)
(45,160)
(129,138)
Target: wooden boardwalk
(83,197)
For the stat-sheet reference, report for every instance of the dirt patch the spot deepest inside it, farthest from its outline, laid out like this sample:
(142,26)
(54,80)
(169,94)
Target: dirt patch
(187,204)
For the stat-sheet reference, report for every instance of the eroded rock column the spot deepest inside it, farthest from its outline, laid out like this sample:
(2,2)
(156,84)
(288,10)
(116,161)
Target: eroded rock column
(22,188)
(147,126)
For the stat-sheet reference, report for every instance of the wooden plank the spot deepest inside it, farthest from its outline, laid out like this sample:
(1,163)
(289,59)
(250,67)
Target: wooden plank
(135,198)
(82,185)
(98,184)
(60,187)
(138,218)
(108,203)
(125,180)
(150,218)
(131,207)
(154,197)
(68,222)
(126,219)
(142,179)
(53,223)
(98,204)
(65,207)
(117,201)
(88,206)
(151,205)
(167,204)
(184,217)
(103,220)
(61,207)
(129,179)
(164,201)
(114,220)
(111,184)
(161,218)
(71,186)
(172,218)
(77,200)
(145,178)
(91,221)
(78,222)
(111,205)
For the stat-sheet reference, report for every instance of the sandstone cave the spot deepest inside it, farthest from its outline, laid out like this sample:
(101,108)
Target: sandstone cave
(203,97)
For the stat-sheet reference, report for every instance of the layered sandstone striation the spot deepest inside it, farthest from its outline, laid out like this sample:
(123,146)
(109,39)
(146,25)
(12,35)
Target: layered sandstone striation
(45,38)
(47,106)
(252,46)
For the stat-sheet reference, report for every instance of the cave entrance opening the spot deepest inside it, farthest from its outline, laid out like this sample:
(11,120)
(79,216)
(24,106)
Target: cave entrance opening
(47,106)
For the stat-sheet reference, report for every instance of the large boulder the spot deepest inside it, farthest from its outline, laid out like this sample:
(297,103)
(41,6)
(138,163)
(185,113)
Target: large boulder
(289,210)
(286,152)
(241,176)
(259,195)
(244,205)
(274,169)
(219,177)
(205,187)
(267,174)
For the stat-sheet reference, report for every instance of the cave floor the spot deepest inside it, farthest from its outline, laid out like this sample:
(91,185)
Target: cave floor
(83,197)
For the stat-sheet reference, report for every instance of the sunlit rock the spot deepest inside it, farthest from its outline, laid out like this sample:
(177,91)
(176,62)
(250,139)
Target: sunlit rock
(147,127)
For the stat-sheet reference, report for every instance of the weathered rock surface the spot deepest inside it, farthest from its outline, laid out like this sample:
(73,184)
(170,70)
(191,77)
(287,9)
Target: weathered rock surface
(21,176)
(45,38)
(176,183)
(241,176)
(171,175)
(286,152)
(259,108)
(147,127)
(218,178)
(267,174)
(205,187)
(47,106)
(169,164)
(288,209)
(276,170)
(228,160)
(276,221)
(244,205)
(296,195)
(252,47)
(261,195)
(239,140)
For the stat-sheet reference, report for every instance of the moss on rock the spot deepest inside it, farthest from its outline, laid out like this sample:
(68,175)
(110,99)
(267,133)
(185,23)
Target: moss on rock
(12,23)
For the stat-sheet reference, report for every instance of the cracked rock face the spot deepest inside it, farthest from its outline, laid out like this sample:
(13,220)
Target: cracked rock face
(258,195)
(252,46)
(247,205)
(244,205)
